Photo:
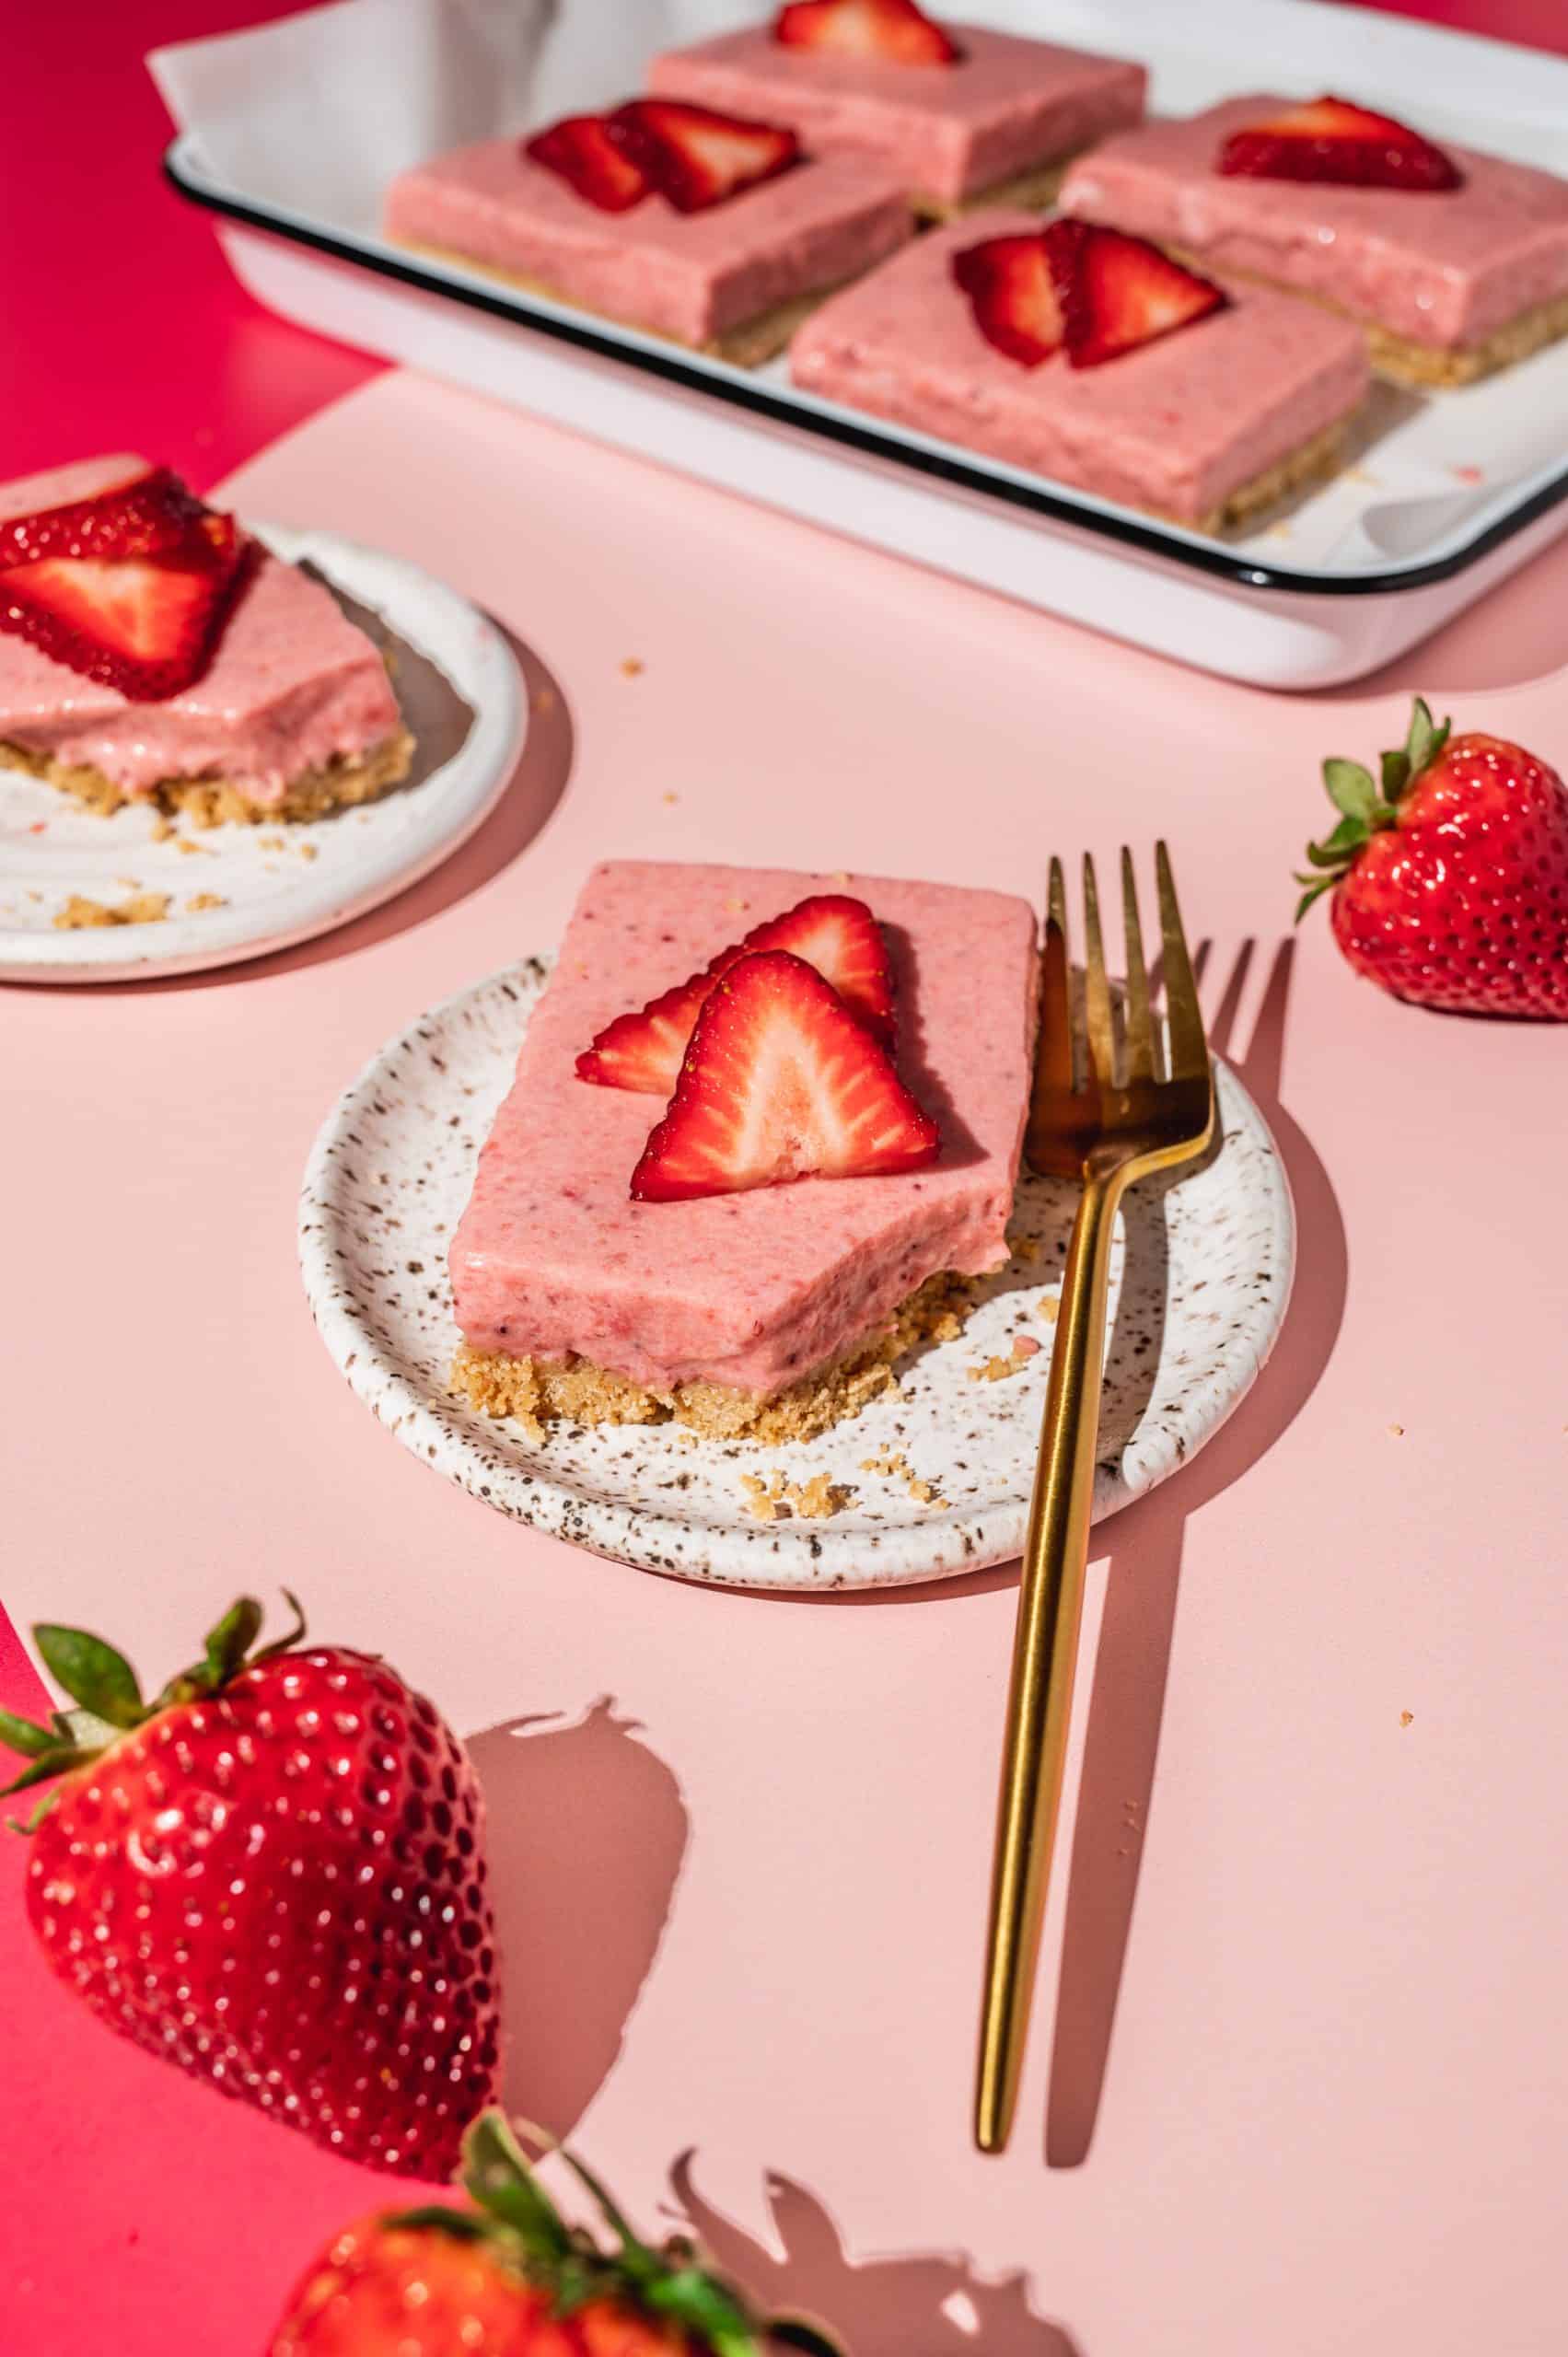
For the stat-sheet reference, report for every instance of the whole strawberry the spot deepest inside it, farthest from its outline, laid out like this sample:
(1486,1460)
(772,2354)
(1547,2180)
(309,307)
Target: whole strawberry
(507,2276)
(1450,873)
(274,1875)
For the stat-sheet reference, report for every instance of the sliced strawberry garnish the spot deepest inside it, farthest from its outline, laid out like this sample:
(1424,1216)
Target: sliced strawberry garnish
(697,157)
(581,150)
(145,625)
(1117,292)
(151,510)
(836,935)
(780,1083)
(1008,282)
(893,31)
(1330,139)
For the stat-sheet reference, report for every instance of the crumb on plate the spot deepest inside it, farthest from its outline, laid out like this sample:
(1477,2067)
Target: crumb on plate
(79,913)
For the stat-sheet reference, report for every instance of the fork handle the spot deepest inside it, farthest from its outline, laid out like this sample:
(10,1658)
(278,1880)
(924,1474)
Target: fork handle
(1045,1650)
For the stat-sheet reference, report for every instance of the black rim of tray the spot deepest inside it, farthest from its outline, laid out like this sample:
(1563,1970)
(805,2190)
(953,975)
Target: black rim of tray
(742,391)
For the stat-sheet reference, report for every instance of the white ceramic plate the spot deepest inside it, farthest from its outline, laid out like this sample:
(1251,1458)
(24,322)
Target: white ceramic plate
(462,695)
(1201,1277)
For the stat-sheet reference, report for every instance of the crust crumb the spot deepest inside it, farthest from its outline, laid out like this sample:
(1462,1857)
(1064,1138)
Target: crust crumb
(185,844)
(143,908)
(632,668)
(203,900)
(1407,1718)
(1050,1306)
(995,1370)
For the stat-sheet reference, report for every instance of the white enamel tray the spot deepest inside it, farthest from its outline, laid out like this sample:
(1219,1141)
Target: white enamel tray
(1201,1275)
(257,889)
(292,132)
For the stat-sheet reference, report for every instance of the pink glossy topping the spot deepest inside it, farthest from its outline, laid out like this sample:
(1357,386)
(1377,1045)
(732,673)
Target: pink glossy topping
(1006,106)
(1175,426)
(1445,269)
(690,275)
(292,682)
(750,1290)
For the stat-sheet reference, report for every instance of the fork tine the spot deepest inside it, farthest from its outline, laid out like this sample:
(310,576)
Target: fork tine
(1184,1021)
(1137,1023)
(1053,1064)
(1096,990)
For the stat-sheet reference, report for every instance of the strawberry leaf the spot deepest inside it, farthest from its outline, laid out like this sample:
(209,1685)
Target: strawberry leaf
(228,1643)
(705,2307)
(92,1673)
(1335,849)
(1318,887)
(21,1735)
(495,2173)
(1351,790)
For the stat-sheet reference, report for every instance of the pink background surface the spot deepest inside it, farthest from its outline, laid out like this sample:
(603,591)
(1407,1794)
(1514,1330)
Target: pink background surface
(1308,2090)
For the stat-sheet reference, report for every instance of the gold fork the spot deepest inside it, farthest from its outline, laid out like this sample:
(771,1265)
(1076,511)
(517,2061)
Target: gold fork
(1105,1121)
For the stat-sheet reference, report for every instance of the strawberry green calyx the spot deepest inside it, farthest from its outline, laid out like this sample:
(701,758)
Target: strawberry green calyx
(668,2286)
(1367,806)
(106,1694)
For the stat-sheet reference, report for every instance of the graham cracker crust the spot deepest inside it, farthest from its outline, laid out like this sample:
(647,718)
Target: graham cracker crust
(1434,367)
(745,346)
(1314,461)
(1032,192)
(215,801)
(537,1393)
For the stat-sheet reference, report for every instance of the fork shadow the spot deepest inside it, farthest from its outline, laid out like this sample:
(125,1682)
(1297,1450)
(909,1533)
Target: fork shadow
(927,2303)
(1145,1546)
(586,1833)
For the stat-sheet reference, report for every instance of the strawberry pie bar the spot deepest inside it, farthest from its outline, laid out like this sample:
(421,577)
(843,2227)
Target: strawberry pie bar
(761,1124)
(1089,357)
(1454,264)
(713,231)
(965,117)
(149,652)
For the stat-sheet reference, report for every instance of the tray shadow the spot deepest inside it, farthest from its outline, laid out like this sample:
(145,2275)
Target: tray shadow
(586,1831)
(928,2303)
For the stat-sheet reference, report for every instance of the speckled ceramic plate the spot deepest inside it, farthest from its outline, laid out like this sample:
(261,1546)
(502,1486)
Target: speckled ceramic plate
(235,891)
(1199,1277)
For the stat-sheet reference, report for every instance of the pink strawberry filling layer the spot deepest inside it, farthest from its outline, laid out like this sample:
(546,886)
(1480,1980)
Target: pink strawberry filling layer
(1007,106)
(690,275)
(291,683)
(1446,269)
(751,1291)
(1176,425)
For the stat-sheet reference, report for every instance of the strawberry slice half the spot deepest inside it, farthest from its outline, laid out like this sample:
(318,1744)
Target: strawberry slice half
(1118,292)
(780,1083)
(695,156)
(149,511)
(1009,283)
(144,625)
(894,32)
(834,933)
(1331,139)
(581,151)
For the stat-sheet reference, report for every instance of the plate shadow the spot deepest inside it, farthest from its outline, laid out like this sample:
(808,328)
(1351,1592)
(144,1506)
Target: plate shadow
(586,1831)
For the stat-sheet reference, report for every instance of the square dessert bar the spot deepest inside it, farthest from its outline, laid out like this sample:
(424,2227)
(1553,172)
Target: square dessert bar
(997,127)
(771,1312)
(1448,284)
(733,280)
(1202,427)
(293,715)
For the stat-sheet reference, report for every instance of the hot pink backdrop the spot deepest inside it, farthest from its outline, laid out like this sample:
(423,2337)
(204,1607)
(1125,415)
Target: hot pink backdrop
(1308,2095)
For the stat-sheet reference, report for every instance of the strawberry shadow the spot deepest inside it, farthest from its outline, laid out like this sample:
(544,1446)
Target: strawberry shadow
(960,1145)
(1145,1546)
(587,1830)
(930,2304)
(440,719)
